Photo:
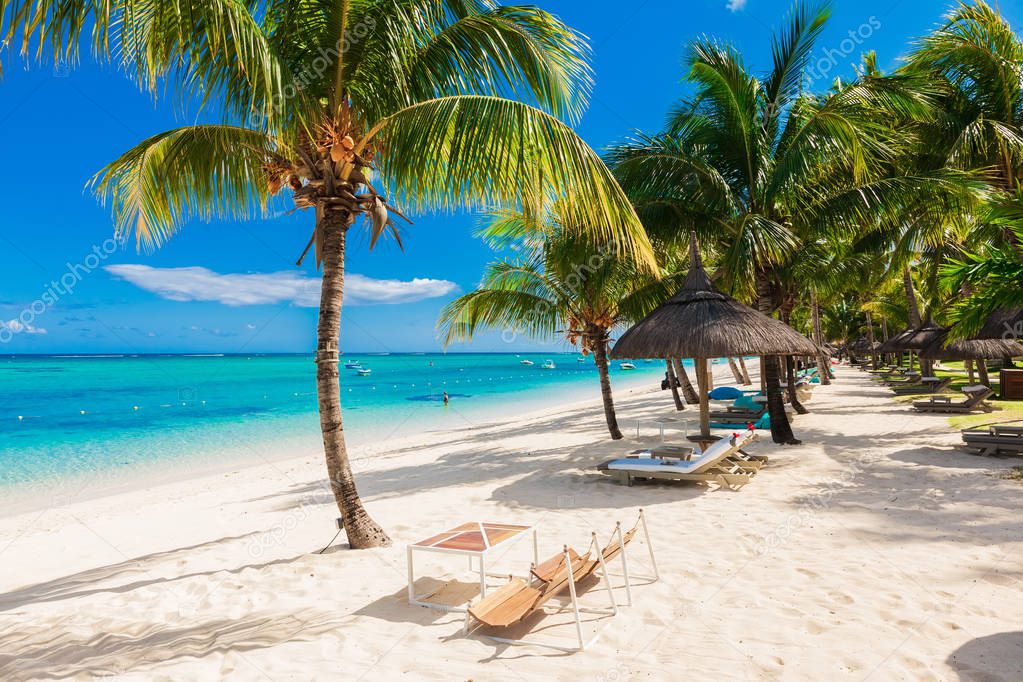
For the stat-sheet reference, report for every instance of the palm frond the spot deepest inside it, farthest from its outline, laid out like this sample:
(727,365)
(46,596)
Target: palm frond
(192,172)
(488,152)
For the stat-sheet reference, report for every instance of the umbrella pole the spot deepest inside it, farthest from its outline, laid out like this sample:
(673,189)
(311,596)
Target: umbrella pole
(701,380)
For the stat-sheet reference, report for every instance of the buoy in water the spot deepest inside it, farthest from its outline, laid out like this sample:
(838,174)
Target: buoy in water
(81,411)
(135,407)
(21,418)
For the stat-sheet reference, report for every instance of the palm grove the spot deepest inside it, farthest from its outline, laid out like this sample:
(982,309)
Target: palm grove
(877,197)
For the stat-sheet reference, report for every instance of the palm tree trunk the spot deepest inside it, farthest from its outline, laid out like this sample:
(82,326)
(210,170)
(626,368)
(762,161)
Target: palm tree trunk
(691,396)
(361,529)
(915,321)
(736,374)
(781,430)
(969,372)
(823,366)
(600,357)
(982,371)
(673,385)
(871,338)
(745,372)
(790,377)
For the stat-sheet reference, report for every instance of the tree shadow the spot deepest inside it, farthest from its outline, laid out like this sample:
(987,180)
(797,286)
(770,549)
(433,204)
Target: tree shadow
(62,655)
(990,659)
(88,582)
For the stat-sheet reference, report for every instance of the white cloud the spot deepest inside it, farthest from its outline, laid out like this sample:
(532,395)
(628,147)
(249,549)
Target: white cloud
(736,5)
(19,327)
(202,284)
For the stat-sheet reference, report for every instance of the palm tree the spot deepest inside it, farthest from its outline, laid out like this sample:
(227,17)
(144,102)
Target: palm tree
(976,58)
(565,286)
(754,165)
(352,108)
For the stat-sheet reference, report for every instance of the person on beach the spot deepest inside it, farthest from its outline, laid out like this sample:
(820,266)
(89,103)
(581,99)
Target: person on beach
(445,398)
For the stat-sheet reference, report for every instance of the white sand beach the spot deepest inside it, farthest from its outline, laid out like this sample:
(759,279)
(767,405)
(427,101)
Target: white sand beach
(876,550)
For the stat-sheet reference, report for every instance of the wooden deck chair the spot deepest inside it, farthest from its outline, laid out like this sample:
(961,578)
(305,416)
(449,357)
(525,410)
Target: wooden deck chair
(926,385)
(976,399)
(617,547)
(908,379)
(518,599)
(994,440)
(714,465)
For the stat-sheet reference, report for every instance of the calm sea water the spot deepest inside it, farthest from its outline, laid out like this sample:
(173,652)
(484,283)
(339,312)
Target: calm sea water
(108,416)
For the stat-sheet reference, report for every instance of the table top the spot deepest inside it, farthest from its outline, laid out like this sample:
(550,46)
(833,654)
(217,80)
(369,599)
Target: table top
(473,537)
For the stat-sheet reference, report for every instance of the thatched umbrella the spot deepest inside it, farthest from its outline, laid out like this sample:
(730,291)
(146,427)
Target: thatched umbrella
(1004,324)
(863,346)
(894,344)
(700,322)
(980,350)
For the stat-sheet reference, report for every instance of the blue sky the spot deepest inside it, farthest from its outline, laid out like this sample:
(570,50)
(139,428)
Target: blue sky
(57,128)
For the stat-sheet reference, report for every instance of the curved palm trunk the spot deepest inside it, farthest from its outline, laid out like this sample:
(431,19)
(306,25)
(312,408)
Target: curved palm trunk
(736,374)
(745,372)
(982,371)
(673,385)
(691,396)
(600,357)
(361,529)
(790,377)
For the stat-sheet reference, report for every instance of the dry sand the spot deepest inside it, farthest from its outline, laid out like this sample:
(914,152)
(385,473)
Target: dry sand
(874,551)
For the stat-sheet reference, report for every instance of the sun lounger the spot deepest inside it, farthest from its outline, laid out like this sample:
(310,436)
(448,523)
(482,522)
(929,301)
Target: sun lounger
(716,464)
(994,440)
(739,415)
(908,379)
(976,399)
(688,452)
(926,385)
(518,599)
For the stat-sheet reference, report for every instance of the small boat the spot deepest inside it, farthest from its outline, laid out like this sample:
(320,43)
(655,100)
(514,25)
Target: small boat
(580,359)
(365,371)
(353,364)
(528,363)
(628,366)
(548,365)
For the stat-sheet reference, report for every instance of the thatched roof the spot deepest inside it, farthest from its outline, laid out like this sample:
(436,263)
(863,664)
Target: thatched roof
(925,336)
(974,349)
(863,345)
(913,339)
(894,344)
(701,322)
(1003,324)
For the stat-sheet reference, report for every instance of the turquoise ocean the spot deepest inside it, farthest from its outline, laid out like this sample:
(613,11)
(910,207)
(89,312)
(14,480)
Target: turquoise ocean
(106,418)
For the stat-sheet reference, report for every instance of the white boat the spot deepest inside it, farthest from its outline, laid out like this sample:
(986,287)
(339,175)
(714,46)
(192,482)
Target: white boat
(528,363)
(548,365)
(627,366)
(580,359)
(365,371)
(353,364)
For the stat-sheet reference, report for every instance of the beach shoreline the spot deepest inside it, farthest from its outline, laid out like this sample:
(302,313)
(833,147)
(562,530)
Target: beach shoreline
(363,444)
(832,544)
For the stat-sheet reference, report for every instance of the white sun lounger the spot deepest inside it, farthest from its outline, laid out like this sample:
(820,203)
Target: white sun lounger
(717,464)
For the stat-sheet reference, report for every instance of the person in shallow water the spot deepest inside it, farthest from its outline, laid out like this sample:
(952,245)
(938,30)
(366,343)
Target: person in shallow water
(445,398)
